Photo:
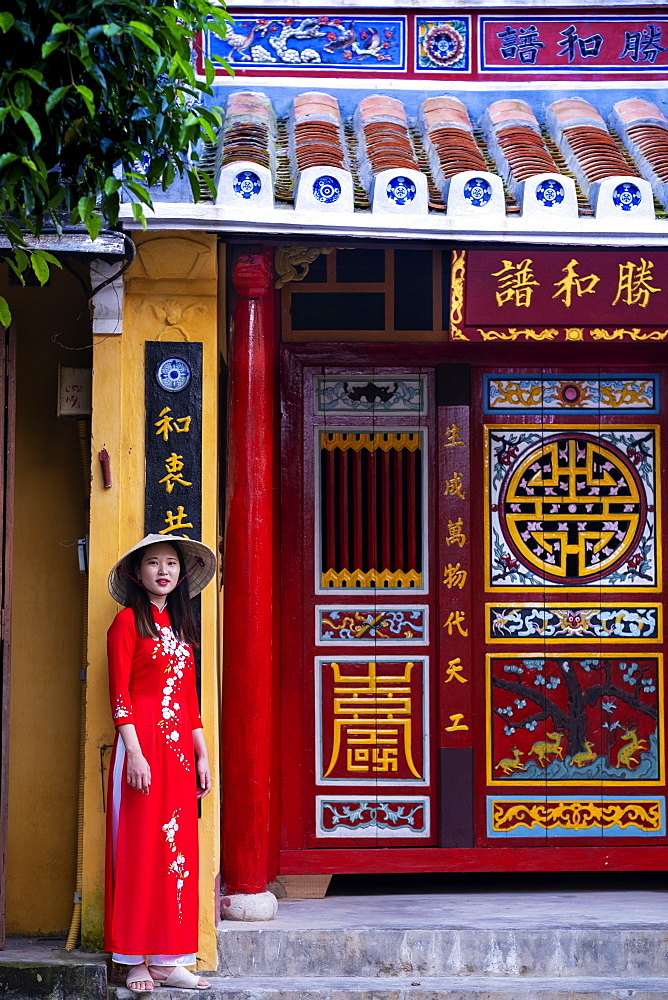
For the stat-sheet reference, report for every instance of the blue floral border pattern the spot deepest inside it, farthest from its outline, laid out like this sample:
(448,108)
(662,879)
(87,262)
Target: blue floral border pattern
(574,622)
(543,394)
(358,393)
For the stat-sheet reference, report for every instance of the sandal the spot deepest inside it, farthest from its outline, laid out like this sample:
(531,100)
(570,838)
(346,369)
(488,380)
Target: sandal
(180,978)
(139,974)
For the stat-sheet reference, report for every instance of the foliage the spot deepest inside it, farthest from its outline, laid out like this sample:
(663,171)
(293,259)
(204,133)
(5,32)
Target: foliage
(98,99)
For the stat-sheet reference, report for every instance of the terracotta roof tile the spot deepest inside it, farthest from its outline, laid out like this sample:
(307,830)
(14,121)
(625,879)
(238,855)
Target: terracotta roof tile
(585,141)
(442,142)
(644,131)
(447,133)
(515,142)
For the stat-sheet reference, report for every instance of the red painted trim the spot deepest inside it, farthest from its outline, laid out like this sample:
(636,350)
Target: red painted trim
(249,559)
(486,859)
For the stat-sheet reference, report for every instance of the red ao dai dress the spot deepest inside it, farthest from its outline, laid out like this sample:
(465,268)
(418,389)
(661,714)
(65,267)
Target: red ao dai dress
(152,856)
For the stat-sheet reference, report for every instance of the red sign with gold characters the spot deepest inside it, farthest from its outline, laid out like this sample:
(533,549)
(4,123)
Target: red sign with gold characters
(572,294)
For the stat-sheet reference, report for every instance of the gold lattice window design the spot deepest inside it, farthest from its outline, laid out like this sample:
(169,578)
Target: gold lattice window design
(371,509)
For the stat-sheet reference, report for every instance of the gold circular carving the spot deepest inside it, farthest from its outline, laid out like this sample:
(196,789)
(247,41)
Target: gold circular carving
(572,508)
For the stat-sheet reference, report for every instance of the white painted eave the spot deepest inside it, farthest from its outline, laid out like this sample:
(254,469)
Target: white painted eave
(290,224)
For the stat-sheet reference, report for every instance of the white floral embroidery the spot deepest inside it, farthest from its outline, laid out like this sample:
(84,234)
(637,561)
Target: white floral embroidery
(178,865)
(178,655)
(120,711)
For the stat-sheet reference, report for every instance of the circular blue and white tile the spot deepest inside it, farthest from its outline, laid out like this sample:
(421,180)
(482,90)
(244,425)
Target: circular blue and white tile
(550,193)
(173,374)
(478,191)
(626,196)
(247,184)
(401,190)
(326,189)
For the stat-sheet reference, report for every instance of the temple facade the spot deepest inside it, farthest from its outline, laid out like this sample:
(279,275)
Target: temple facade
(407,373)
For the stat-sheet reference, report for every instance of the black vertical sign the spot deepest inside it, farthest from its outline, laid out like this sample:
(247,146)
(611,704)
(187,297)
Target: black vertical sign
(173,496)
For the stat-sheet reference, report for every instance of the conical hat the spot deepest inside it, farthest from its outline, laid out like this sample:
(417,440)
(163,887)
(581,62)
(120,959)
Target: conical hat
(199,559)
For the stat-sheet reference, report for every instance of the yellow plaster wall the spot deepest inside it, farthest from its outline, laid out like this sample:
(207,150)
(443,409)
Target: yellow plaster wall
(170,295)
(46,613)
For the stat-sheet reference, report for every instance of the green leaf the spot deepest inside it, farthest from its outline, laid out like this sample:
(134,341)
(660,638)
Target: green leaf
(54,98)
(32,124)
(85,207)
(40,267)
(94,224)
(138,214)
(112,29)
(7,158)
(49,47)
(5,312)
(6,22)
(112,185)
(22,93)
(88,97)
(140,26)
(59,27)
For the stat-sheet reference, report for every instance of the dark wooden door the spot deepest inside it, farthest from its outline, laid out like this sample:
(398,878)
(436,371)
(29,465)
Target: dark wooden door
(7,427)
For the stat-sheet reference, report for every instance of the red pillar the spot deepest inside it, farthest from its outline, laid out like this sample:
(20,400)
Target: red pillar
(249,554)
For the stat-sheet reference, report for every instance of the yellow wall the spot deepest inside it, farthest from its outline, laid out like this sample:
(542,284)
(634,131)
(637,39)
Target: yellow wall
(170,295)
(46,612)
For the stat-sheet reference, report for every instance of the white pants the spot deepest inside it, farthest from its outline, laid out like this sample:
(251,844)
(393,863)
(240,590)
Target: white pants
(154,959)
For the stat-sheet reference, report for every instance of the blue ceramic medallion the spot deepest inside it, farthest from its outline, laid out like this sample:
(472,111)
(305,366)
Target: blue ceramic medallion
(626,196)
(478,191)
(550,193)
(173,374)
(326,189)
(401,190)
(247,184)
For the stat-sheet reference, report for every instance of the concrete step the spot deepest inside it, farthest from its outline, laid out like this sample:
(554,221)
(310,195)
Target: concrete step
(429,988)
(623,935)
(31,968)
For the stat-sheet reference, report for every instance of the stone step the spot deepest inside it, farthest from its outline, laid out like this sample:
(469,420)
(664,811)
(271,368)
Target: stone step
(524,935)
(429,988)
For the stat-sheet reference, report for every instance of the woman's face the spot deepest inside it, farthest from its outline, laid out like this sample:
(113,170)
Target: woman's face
(159,570)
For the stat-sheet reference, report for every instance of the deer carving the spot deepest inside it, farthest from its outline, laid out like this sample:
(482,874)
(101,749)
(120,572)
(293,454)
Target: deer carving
(541,750)
(625,756)
(585,757)
(509,764)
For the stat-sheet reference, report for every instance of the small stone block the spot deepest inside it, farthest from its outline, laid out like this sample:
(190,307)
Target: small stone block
(623,199)
(246,186)
(305,886)
(401,191)
(324,189)
(548,195)
(474,192)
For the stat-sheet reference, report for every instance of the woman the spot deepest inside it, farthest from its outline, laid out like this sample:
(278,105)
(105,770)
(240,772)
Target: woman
(159,766)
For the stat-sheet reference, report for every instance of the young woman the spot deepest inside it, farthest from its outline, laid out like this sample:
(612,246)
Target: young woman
(159,766)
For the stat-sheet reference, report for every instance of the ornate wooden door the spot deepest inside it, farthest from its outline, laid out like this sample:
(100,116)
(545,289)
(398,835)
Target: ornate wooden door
(573,588)
(472,628)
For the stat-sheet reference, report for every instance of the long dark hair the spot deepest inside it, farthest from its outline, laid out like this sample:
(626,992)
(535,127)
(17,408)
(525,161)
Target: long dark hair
(178,602)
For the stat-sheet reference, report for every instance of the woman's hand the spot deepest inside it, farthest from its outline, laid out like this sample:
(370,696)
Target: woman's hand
(203,776)
(203,769)
(138,771)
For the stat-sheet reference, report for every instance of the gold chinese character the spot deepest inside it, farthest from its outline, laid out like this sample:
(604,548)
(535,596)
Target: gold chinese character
(457,723)
(372,716)
(173,465)
(572,282)
(453,487)
(167,424)
(455,534)
(456,620)
(454,576)
(516,282)
(454,670)
(633,286)
(451,435)
(174,521)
